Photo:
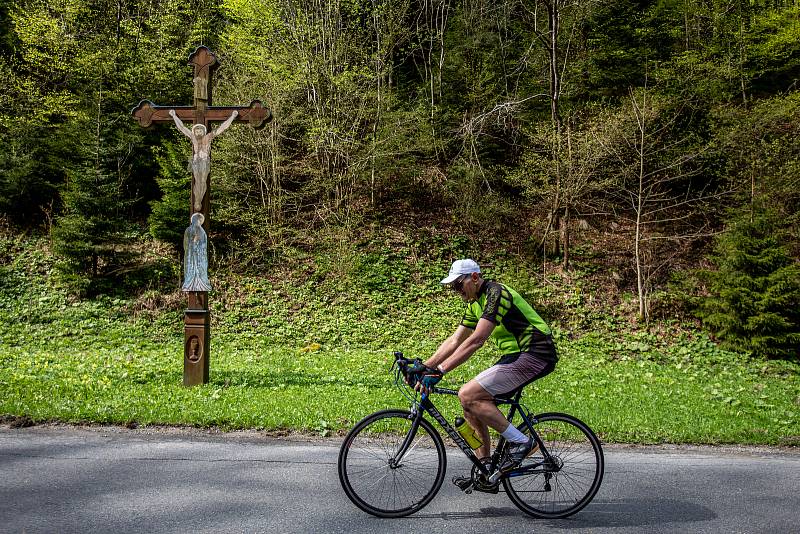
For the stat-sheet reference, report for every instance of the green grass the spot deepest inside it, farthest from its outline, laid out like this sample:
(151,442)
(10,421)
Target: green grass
(301,355)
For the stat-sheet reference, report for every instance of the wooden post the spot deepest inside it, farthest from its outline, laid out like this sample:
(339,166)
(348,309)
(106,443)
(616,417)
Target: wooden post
(197,340)
(197,319)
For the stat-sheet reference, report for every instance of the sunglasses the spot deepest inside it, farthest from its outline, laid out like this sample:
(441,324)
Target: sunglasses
(458,284)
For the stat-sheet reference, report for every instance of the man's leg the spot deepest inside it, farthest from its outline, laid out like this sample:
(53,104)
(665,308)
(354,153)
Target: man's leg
(480,410)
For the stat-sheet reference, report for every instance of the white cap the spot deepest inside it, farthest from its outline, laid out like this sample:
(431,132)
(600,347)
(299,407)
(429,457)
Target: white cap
(459,268)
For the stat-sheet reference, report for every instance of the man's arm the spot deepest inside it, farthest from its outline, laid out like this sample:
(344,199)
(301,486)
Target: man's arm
(467,347)
(449,346)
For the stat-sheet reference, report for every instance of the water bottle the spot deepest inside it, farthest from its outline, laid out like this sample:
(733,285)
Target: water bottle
(468,433)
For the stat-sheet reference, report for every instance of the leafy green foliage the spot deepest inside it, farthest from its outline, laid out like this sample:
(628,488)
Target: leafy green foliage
(90,234)
(775,49)
(623,37)
(71,75)
(308,357)
(760,150)
(36,146)
(435,114)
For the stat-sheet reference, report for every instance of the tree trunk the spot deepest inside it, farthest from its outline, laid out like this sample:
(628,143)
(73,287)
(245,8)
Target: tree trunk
(565,238)
(561,242)
(639,208)
(639,274)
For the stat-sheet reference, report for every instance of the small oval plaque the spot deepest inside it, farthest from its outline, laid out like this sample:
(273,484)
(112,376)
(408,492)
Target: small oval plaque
(194,350)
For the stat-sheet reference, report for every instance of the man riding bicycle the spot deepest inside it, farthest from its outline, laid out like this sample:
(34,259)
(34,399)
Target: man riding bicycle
(525,343)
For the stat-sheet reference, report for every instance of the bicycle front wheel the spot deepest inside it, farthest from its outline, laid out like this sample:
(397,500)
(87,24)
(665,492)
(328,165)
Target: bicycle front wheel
(379,482)
(567,478)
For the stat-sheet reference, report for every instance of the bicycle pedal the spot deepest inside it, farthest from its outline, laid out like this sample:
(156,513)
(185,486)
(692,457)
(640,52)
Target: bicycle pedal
(508,465)
(463,483)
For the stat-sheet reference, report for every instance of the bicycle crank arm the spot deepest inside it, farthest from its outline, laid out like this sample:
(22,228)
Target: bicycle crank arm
(463,483)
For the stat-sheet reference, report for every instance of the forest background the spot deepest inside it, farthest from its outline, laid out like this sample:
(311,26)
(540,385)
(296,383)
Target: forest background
(630,166)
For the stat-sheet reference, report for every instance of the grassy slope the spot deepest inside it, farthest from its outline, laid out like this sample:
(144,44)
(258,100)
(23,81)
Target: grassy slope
(308,348)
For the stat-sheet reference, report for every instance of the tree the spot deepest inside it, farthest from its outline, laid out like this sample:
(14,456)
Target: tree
(773,49)
(663,190)
(622,38)
(93,229)
(36,145)
(754,301)
(558,45)
(170,214)
(761,145)
(327,71)
(581,163)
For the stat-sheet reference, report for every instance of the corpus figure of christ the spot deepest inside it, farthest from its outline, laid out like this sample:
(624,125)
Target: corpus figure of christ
(201,153)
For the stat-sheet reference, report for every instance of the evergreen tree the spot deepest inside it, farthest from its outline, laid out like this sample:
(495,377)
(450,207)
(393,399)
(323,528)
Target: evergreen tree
(93,232)
(755,290)
(170,215)
(90,233)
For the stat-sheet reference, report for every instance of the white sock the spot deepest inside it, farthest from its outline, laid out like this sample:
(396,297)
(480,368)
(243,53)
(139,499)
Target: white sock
(513,435)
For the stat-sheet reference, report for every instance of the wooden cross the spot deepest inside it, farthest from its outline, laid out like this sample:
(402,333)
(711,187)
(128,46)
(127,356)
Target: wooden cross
(197,331)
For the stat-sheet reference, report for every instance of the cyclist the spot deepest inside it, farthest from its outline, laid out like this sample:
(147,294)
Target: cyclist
(526,346)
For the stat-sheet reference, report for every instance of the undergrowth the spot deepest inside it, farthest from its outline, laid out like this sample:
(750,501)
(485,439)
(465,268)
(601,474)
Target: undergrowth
(306,345)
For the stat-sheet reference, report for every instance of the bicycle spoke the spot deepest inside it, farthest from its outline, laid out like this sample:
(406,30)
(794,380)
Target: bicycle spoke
(569,474)
(377,479)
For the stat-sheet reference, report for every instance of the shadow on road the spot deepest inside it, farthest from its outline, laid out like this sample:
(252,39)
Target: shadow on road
(635,513)
(489,511)
(624,513)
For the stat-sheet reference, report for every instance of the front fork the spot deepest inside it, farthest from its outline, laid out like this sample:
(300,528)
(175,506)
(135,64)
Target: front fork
(415,416)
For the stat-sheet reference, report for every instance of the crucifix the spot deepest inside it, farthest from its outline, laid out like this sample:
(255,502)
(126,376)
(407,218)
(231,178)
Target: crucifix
(197,331)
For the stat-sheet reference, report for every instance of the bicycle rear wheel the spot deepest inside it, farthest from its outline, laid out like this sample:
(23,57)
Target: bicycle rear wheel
(567,480)
(378,482)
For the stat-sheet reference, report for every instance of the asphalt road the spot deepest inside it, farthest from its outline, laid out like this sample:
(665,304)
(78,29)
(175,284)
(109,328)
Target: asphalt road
(63,479)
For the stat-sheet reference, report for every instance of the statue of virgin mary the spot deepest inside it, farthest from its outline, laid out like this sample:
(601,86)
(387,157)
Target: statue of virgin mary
(195,259)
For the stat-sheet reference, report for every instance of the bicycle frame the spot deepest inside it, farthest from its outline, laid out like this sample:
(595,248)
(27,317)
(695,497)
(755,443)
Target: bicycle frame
(417,455)
(419,408)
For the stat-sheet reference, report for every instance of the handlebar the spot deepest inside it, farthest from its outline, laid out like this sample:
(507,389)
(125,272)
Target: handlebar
(402,363)
(402,380)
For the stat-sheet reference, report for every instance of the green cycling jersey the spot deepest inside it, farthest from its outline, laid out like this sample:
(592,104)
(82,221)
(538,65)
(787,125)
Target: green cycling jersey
(517,326)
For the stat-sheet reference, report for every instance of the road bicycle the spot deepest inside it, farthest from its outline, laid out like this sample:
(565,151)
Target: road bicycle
(393,462)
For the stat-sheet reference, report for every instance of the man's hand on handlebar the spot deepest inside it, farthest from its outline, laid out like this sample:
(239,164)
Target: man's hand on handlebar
(412,371)
(428,379)
(421,377)
(418,375)
(416,367)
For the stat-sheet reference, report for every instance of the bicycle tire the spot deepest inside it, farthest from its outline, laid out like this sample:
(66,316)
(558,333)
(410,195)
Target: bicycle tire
(573,445)
(369,480)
